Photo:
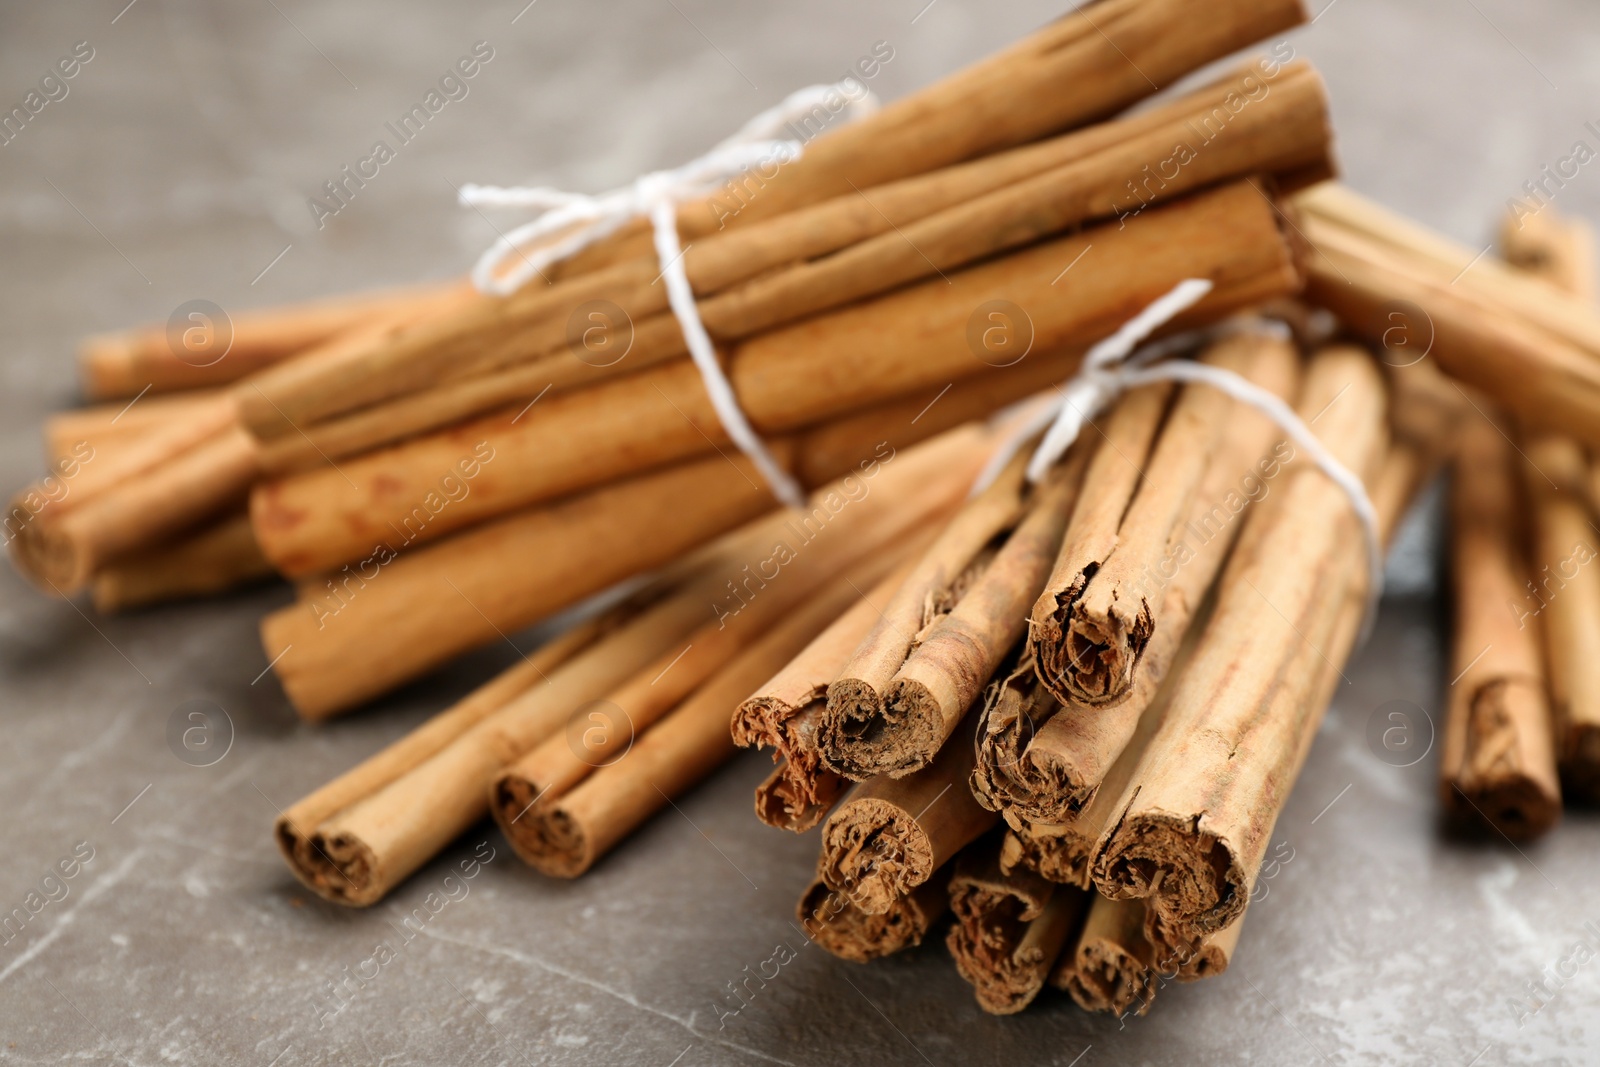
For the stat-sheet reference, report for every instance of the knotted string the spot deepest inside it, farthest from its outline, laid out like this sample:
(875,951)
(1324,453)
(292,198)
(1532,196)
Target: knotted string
(1119,363)
(570,222)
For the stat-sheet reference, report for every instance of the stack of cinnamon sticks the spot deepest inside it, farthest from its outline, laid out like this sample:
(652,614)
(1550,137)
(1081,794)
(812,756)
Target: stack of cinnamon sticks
(437,468)
(1065,710)
(1096,815)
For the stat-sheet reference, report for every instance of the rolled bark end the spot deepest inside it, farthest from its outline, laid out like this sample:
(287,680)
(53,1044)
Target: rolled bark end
(1499,784)
(542,835)
(338,868)
(846,931)
(1103,654)
(50,557)
(1008,930)
(1062,857)
(1106,977)
(901,738)
(794,798)
(874,852)
(1189,875)
(1580,761)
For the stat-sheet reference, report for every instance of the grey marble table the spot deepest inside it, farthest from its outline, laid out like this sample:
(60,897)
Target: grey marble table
(179,165)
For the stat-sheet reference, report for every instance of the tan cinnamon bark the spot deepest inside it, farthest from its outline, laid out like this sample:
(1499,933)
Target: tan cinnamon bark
(952,661)
(889,835)
(849,248)
(1557,248)
(398,615)
(1497,761)
(1547,307)
(1088,656)
(942,575)
(1191,827)
(114,425)
(1009,928)
(1092,624)
(1043,761)
(218,558)
(868,353)
(360,835)
(567,803)
(123,363)
(60,546)
(1111,967)
(557,767)
(784,714)
(392,618)
(996,105)
(1555,474)
(1081,67)
(1522,341)
(830,920)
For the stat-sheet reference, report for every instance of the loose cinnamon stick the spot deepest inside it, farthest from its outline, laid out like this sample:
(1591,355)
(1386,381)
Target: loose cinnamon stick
(398,615)
(562,810)
(1192,824)
(218,558)
(1497,761)
(1044,762)
(1111,968)
(124,363)
(889,835)
(869,353)
(1009,928)
(846,931)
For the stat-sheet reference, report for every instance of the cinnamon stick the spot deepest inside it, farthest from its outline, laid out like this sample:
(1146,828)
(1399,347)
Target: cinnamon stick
(1111,968)
(1009,928)
(61,546)
(1191,826)
(951,663)
(102,425)
(1045,761)
(785,712)
(218,558)
(830,920)
(1554,476)
(1497,763)
(1096,616)
(889,835)
(563,810)
(1533,348)
(1081,67)
(124,363)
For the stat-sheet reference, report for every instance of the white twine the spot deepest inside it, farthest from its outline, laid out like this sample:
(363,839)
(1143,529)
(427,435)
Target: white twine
(1118,364)
(570,222)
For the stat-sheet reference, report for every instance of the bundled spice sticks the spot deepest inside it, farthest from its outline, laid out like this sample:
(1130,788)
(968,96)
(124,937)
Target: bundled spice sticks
(1048,720)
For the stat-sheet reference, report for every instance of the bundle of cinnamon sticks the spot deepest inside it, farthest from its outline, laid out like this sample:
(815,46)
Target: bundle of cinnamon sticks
(1061,712)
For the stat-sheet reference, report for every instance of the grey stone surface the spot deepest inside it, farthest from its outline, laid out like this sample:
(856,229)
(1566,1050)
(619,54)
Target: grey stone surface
(179,166)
